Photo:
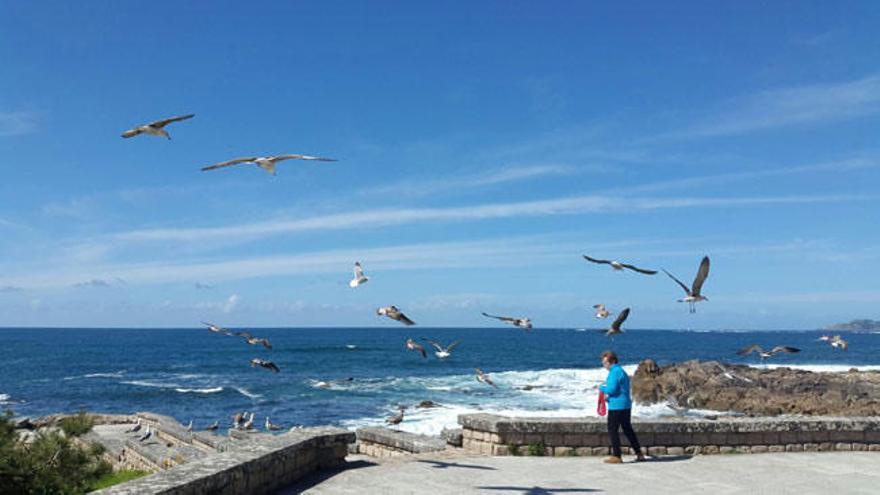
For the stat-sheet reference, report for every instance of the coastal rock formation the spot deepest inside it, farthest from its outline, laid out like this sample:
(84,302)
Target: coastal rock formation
(856,326)
(757,391)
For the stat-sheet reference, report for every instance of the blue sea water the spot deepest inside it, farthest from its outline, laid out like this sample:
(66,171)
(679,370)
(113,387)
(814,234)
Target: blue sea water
(193,374)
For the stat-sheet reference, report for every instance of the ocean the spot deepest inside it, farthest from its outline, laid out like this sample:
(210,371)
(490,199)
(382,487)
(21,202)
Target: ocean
(193,374)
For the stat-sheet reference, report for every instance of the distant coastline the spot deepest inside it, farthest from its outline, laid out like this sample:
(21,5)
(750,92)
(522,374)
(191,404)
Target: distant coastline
(856,326)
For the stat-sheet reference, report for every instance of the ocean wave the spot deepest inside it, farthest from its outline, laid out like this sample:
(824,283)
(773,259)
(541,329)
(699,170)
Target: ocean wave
(4,399)
(199,390)
(146,383)
(115,374)
(245,392)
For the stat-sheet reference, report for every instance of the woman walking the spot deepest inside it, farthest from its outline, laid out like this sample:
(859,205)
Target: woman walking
(616,390)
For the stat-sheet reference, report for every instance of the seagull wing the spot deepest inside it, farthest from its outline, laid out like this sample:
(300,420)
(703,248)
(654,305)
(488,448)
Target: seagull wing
(502,318)
(679,282)
(230,162)
(435,345)
(702,274)
(132,132)
(243,334)
(640,270)
(404,319)
(620,319)
(358,271)
(302,157)
(784,348)
(453,346)
(595,260)
(599,306)
(164,122)
(748,350)
(421,349)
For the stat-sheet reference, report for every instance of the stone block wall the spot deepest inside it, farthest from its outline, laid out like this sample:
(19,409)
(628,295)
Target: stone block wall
(498,435)
(385,442)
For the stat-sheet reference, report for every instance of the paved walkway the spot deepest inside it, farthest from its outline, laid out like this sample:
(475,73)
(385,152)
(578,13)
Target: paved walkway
(792,473)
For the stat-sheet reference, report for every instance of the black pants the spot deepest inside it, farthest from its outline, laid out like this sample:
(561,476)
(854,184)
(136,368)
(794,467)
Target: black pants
(621,419)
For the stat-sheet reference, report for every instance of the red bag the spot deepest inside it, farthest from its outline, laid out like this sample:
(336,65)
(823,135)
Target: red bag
(602,408)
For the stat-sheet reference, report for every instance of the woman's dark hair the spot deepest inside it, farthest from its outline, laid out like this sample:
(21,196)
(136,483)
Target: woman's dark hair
(610,356)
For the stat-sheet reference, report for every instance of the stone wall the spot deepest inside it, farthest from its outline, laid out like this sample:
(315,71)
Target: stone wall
(253,468)
(498,435)
(385,442)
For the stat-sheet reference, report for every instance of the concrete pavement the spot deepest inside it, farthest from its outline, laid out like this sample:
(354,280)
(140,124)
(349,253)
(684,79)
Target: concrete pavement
(789,473)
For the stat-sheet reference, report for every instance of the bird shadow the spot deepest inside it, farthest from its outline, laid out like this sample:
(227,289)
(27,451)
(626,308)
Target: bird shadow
(446,465)
(321,476)
(538,490)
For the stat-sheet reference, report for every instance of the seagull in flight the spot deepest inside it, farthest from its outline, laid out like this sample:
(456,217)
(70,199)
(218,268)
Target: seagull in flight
(484,378)
(359,277)
(254,340)
(216,328)
(269,365)
(266,163)
(524,323)
(443,352)
(412,345)
(156,128)
(395,314)
(620,266)
(836,341)
(615,326)
(764,355)
(693,292)
(601,312)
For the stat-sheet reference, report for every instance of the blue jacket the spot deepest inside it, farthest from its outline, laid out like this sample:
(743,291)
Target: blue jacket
(616,388)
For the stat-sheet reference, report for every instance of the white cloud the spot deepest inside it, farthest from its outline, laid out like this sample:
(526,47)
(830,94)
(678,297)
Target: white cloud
(791,106)
(399,216)
(17,123)
(426,187)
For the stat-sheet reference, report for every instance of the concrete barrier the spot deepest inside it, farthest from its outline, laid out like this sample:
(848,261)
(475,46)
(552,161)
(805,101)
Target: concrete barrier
(498,435)
(385,442)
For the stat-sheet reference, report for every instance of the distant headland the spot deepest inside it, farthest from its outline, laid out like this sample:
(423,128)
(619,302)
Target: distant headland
(856,326)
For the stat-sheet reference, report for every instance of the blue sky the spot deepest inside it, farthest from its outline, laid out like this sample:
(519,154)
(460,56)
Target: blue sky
(483,147)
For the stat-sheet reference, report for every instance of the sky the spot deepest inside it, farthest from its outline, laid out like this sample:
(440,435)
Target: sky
(483,147)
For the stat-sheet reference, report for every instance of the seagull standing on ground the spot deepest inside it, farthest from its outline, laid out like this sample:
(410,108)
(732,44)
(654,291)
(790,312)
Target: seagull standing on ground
(615,326)
(484,378)
(397,418)
(214,426)
(189,427)
(270,426)
(135,428)
(443,352)
(764,355)
(156,128)
(359,277)
(693,292)
(249,424)
(620,266)
(412,345)
(266,163)
(147,434)
(395,314)
(524,323)
(269,365)
(601,312)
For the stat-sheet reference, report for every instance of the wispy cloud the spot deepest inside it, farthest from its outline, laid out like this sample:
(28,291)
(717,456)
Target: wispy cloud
(426,187)
(17,123)
(391,217)
(10,288)
(785,107)
(99,282)
(203,286)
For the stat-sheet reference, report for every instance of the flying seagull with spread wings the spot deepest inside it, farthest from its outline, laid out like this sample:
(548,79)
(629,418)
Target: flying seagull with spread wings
(359,277)
(216,328)
(441,351)
(395,314)
(524,323)
(412,345)
(266,163)
(615,326)
(269,365)
(156,128)
(601,312)
(764,355)
(693,292)
(484,378)
(620,266)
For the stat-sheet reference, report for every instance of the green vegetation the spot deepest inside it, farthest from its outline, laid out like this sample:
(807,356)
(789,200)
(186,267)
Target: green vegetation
(117,477)
(77,425)
(537,449)
(50,463)
(513,449)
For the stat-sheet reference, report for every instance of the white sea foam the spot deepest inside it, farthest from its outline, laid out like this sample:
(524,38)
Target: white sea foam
(115,374)
(4,399)
(245,392)
(542,393)
(199,390)
(823,368)
(146,383)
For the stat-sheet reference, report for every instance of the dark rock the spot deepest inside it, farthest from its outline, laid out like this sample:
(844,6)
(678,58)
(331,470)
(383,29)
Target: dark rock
(427,404)
(755,391)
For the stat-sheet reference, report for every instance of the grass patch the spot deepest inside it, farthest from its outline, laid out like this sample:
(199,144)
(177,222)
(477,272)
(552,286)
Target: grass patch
(75,426)
(537,449)
(117,477)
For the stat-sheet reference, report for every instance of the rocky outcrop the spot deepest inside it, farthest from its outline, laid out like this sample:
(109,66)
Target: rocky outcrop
(856,326)
(756,391)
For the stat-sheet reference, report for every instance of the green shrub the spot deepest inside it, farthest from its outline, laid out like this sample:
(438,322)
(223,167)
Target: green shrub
(513,449)
(537,449)
(77,425)
(51,463)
